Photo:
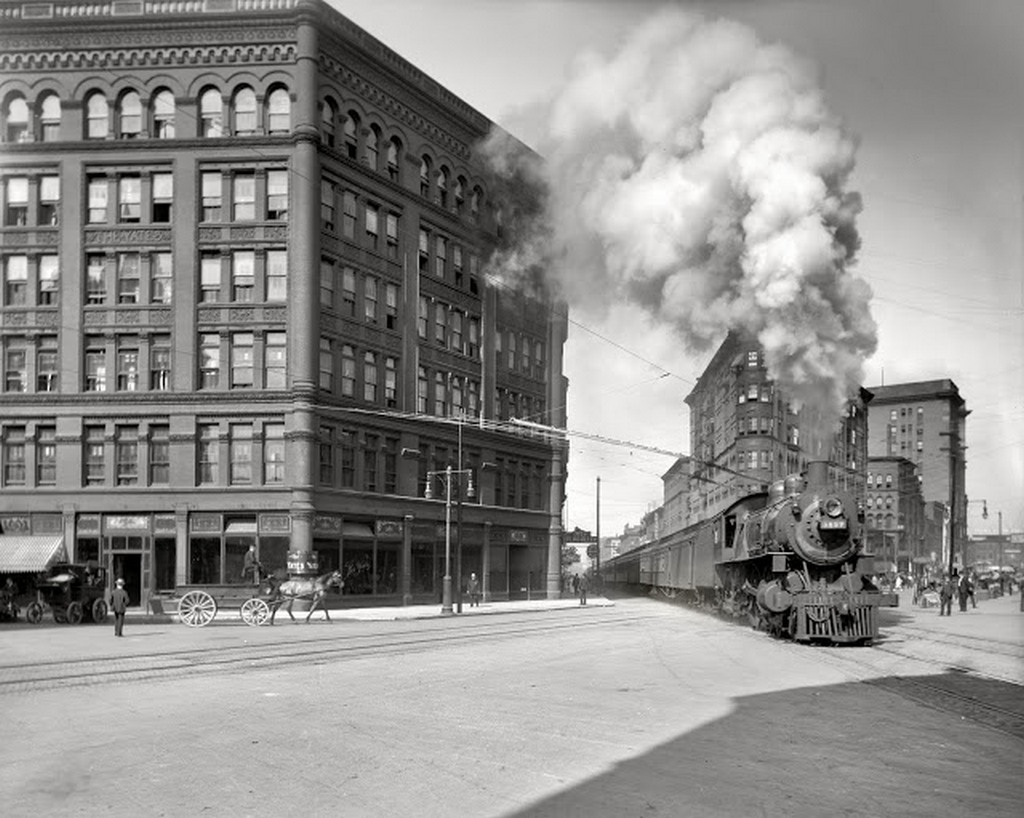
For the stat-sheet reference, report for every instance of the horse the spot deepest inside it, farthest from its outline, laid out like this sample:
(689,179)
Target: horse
(285,593)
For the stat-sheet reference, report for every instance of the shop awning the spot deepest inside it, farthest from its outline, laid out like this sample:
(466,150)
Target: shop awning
(357,530)
(28,553)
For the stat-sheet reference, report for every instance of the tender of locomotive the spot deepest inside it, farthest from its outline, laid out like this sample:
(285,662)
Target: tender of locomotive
(791,560)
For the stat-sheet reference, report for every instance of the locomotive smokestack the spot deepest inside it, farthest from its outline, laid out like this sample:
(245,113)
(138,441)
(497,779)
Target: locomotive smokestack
(817,473)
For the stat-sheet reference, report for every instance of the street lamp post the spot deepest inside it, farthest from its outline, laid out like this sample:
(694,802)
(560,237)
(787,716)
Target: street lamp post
(446,475)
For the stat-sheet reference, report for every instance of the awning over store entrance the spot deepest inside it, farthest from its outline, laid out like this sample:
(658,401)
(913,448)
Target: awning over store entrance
(28,553)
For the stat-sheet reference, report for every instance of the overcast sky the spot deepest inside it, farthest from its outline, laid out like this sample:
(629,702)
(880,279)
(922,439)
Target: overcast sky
(933,91)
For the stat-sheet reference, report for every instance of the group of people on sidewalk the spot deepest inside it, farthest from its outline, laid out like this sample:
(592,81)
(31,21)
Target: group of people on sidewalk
(960,586)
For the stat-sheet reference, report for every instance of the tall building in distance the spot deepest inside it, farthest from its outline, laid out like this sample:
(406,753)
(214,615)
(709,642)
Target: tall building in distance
(926,423)
(745,433)
(244,301)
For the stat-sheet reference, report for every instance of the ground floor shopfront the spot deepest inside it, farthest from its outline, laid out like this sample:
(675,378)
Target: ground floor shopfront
(384,560)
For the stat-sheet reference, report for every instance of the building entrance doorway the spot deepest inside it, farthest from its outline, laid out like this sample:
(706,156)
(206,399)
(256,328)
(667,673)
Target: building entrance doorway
(129,568)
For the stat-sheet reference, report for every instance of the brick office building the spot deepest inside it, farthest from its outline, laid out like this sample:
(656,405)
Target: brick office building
(243,247)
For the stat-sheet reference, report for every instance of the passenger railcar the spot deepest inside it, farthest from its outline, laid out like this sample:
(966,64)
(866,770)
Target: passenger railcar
(791,560)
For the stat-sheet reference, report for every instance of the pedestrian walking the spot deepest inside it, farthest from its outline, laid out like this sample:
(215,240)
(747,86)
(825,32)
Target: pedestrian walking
(576,584)
(473,591)
(584,584)
(961,592)
(946,598)
(119,604)
(970,591)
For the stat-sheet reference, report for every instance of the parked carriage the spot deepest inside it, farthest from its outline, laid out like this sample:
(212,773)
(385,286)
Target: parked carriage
(73,593)
(199,606)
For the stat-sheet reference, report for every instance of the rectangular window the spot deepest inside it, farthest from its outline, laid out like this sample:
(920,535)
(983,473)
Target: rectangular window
(160,363)
(17,201)
(277,275)
(370,377)
(209,361)
(391,306)
(240,447)
(440,394)
(424,251)
(14,456)
(390,382)
(326,446)
(212,196)
(243,187)
(209,277)
(275,357)
(277,195)
(129,199)
(327,282)
(126,455)
(15,367)
(348,291)
(98,191)
(326,364)
(441,260)
(128,368)
(327,206)
(208,454)
(161,274)
(243,276)
(348,459)
(370,300)
(457,264)
(273,453)
(348,215)
(15,281)
(49,200)
(421,390)
(242,360)
(422,317)
(159,455)
(46,455)
(46,365)
(391,232)
(348,371)
(163,197)
(371,451)
(95,365)
(372,229)
(474,338)
(456,328)
(441,324)
(128,278)
(95,456)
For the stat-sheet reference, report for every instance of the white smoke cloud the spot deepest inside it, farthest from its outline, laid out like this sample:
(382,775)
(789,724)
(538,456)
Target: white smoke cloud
(698,173)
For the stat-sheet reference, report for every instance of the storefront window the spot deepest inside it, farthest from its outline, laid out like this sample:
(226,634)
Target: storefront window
(164,548)
(357,568)
(273,553)
(422,568)
(235,549)
(387,569)
(204,561)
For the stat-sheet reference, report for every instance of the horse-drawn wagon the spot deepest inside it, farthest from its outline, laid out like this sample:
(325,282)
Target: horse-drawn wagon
(74,593)
(197,607)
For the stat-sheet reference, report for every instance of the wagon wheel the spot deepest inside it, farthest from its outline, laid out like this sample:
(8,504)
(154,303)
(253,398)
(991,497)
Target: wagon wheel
(99,610)
(34,613)
(197,609)
(255,612)
(75,613)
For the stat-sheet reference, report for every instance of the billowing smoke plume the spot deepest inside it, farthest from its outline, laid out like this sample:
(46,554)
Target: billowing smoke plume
(698,173)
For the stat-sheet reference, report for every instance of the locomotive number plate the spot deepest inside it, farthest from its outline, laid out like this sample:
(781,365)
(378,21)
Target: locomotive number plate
(832,524)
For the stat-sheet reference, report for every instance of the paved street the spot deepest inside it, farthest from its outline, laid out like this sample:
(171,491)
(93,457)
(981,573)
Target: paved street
(636,708)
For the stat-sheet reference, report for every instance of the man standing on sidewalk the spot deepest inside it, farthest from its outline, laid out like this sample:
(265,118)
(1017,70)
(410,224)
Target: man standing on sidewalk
(119,604)
(946,597)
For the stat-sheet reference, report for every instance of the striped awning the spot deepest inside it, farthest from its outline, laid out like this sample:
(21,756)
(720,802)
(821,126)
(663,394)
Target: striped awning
(28,553)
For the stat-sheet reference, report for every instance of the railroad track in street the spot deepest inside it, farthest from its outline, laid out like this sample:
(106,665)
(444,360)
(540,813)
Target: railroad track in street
(48,675)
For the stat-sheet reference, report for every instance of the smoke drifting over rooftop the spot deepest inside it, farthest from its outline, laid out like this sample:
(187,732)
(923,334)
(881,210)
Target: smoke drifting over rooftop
(698,173)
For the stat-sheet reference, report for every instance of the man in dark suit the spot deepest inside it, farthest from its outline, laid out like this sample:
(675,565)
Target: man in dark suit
(119,604)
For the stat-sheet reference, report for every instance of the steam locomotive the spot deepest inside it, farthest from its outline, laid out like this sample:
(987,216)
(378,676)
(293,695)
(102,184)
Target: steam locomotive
(791,560)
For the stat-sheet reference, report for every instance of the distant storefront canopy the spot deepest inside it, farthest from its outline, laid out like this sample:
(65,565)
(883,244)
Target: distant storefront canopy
(26,553)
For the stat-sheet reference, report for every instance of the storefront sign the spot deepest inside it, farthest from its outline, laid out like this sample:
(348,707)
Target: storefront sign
(275,523)
(15,525)
(389,528)
(326,525)
(204,522)
(126,523)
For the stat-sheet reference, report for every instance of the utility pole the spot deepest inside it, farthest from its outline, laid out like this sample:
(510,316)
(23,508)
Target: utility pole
(597,570)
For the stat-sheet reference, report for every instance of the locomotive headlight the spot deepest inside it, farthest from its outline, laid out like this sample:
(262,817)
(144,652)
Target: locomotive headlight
(833,507)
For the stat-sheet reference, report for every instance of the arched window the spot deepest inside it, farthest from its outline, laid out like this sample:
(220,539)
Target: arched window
(49,118)
(279,111)
(244,110)
(129,116)
(475,203)
(328,115)
(442,186)
(351,135)
(394,152)
(16,119)
(211,113)
(425,176)
(372,143)
(97,116)
(163,115)
(460,193)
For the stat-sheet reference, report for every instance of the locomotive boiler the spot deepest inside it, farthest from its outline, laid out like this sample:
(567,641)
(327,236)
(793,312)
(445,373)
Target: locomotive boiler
(791,560)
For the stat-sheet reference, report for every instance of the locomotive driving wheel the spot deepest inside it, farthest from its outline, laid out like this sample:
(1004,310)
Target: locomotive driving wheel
(197,609)
(255,612)
(34,613)
(75,613)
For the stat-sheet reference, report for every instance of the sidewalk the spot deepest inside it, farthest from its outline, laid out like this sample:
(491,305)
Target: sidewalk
(999,619)
(391,612)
